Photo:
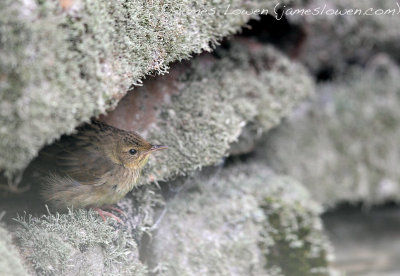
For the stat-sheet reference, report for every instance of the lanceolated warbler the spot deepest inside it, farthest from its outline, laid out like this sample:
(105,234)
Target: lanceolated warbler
(96,167)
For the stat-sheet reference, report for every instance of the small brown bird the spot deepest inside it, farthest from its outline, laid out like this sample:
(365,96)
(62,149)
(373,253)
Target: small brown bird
(96,167)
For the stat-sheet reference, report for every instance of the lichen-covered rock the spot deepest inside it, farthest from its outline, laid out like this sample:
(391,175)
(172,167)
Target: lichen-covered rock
(62,62)
(336,41)
(10,260)
(249,84)
(241,220)
(299,247)
(343,145)
(77,243)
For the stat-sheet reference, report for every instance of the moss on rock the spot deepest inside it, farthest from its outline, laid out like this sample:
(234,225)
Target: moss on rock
(10,260)
(77,243)
(298,249)
(241,220)
(218,99)
(343,145)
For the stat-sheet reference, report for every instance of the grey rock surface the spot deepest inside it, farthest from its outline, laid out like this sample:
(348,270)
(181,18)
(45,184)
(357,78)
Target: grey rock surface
(241,220)
(335,42)
(343,145)
(366,242)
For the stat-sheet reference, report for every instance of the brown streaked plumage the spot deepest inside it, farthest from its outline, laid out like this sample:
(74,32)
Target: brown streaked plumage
(96,167)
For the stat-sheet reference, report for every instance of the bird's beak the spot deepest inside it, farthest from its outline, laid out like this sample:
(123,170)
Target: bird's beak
(157,147)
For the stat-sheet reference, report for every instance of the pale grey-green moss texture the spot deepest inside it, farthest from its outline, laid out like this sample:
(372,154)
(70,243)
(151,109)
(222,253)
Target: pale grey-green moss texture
(77,243)
(343,145)
(10,260)
(334,42)
(217,100)
(241,220)
(238,220)
(62,62)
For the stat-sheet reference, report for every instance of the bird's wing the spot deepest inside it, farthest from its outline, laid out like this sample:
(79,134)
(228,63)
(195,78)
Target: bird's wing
(82,160)
(86,167)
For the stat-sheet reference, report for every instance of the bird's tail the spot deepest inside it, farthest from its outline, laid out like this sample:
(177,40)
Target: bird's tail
(62,191)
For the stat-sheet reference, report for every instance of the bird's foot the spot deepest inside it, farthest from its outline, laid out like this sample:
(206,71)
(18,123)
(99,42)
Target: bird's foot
(109,207)
(103,214)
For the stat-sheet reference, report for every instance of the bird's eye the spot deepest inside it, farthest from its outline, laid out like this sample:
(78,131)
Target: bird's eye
(132,151)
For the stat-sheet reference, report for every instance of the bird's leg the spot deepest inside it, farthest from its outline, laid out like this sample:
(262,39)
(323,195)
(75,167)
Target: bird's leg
(109,207)
(104,214)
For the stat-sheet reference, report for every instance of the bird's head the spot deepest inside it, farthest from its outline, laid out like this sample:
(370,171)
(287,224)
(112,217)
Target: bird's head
(132,151)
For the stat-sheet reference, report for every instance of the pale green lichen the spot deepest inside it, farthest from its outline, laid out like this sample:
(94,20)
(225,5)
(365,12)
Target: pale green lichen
(343,145)
(60,66)
(224,224)
(77,243)
(10,260)
(217,100)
